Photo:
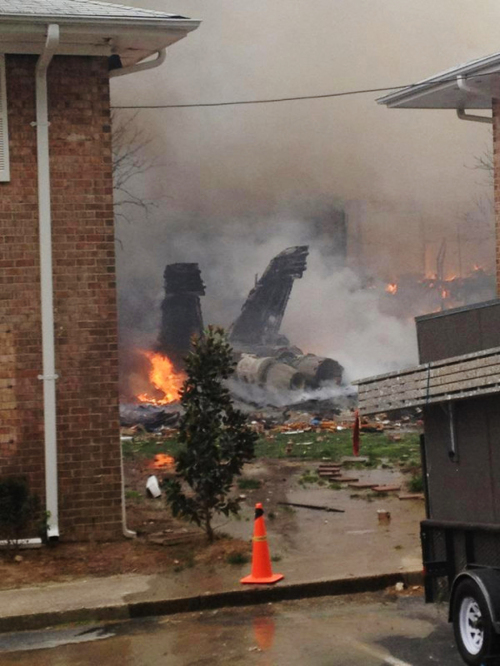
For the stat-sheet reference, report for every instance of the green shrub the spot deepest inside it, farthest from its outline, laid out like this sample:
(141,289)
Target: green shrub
(416,484)
(19,509)
(216,438)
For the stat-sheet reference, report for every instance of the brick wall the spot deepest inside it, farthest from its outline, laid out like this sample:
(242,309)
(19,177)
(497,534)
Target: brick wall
(84,295)
(496,164)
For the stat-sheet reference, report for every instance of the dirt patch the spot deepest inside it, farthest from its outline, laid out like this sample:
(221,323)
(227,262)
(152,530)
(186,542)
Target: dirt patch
(352,542)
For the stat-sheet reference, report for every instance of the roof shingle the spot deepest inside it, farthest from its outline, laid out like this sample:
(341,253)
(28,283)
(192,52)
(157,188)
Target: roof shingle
(76,9)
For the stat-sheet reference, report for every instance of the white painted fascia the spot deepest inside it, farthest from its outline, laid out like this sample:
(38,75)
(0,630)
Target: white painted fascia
(411,95)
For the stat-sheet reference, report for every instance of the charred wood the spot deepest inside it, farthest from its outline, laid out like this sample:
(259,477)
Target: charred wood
(181,311)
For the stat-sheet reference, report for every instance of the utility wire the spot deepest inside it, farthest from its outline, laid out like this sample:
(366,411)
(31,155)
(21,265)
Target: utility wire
(346,93)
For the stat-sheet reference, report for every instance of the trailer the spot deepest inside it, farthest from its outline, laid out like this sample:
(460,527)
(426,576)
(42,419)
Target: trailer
(457,386)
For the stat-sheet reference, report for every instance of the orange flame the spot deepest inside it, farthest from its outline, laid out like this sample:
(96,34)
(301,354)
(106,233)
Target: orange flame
(392,288)
(163,461)
(164,378)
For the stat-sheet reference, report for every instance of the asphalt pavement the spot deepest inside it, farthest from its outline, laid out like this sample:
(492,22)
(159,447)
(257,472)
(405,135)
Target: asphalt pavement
(365,629)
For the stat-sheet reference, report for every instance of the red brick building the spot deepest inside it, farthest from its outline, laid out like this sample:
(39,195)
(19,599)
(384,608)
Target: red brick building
(58,320)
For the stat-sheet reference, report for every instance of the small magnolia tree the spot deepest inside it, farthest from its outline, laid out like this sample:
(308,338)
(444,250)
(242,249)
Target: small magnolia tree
(217,440)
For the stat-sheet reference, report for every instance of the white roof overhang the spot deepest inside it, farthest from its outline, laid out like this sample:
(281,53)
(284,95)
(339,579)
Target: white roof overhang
(469,86)
(132,39)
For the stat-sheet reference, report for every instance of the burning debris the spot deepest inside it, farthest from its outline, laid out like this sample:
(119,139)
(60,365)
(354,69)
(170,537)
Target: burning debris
(414,294)
(147,416)
(166,380)
(265,359)
(181,311)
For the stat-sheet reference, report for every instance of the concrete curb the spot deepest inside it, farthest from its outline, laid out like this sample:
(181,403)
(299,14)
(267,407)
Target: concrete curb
(244,597)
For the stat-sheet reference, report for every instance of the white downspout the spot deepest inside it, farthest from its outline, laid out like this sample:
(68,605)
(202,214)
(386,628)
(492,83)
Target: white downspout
(467,87)
(474,118)
(141,66)
(45,224)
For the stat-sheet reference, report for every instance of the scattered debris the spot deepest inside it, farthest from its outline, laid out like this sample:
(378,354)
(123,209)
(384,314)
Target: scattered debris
(412,496)
(355,459)
(174,539)
(311,506)
(153,487)
(384,517)
(150,417)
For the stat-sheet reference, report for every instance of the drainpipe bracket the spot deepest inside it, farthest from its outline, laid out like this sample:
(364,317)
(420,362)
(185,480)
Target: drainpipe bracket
(48,378)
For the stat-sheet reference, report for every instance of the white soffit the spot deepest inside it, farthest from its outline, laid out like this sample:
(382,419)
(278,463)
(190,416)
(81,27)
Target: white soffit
(442,91)
(89,28)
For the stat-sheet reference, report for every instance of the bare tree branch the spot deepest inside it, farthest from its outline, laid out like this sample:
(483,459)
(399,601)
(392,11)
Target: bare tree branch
(130,159)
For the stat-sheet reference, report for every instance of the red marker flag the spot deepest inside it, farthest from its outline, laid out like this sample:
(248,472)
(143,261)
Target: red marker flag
(355,434)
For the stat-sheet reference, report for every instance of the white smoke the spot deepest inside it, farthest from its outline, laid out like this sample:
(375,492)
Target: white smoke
(332,313)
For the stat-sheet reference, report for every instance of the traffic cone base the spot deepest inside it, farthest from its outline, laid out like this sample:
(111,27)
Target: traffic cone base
(263,581)
(262,572)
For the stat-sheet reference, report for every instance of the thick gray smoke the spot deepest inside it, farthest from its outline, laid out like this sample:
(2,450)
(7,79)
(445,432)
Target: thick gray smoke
(237,185)
(331,311)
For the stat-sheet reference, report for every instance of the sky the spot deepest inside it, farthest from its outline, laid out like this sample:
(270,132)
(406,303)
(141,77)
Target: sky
(232,182)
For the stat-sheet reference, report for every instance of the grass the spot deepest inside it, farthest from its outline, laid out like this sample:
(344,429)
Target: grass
(309,477)
(134,495)
(331,447)
(416,484)
(237,558)
(248,484)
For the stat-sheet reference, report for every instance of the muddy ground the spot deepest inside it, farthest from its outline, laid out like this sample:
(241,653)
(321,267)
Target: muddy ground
(305,544)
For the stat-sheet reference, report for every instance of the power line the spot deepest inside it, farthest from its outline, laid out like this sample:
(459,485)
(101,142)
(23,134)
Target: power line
(277,100)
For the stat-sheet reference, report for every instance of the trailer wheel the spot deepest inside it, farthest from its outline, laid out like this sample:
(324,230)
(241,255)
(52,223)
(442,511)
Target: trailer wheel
(472,624)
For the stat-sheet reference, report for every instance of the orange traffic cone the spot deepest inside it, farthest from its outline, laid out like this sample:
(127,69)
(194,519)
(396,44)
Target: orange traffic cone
(261,562)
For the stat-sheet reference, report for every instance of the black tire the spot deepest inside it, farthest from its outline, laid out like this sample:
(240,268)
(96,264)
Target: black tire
(474,633)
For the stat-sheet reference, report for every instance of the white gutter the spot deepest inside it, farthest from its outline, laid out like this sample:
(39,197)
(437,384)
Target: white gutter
(141,66)
(469,88)
(45,224)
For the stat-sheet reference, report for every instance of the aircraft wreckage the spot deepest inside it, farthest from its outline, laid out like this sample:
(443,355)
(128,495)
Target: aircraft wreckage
(265,357)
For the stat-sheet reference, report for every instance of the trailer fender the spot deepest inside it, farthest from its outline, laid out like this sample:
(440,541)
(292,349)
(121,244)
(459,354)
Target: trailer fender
(488,581)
